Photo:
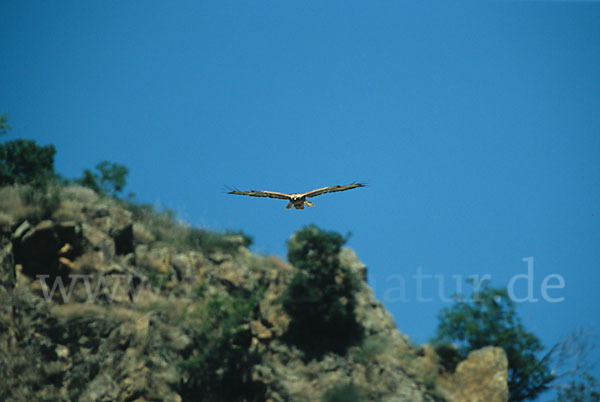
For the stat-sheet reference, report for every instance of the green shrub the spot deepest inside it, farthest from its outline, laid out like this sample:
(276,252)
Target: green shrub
(222,368)
(320,299)
(89,180)
(109,180)
(584,388)
(369,349)
(449,356)
(4,127)
(26,162)
(158,281)
(489,318)
(343,393)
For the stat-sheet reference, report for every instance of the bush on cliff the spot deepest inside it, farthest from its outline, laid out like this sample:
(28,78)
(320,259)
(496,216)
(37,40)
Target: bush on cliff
(320,299)
(222,369)
(109,179)
(26,162)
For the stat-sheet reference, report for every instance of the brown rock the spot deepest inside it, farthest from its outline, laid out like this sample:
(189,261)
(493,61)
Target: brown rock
(99,242)
(48,247)
(482,377)
(65,262)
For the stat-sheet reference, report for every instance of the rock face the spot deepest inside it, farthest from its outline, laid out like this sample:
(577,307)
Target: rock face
(123,292)
(481,377)
(48,247)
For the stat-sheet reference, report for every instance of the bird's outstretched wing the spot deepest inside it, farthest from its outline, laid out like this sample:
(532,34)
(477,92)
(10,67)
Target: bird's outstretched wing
(255,193)
(332,189)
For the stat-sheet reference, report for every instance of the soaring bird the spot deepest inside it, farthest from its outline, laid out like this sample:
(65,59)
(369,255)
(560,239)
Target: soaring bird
(298,200)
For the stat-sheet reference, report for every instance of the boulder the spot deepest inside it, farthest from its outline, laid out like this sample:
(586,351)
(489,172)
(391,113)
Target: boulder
(482,377)
(41,248)
(98,242)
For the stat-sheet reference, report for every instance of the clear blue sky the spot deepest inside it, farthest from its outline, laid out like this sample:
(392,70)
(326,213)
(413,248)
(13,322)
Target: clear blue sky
(475,124)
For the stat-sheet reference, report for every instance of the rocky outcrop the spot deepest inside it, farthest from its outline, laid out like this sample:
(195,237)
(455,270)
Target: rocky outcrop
(482,377)
(48,247)
(115,312)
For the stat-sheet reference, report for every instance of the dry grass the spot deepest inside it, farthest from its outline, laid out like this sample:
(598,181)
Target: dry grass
(80,194)
(11,203)
(69,211)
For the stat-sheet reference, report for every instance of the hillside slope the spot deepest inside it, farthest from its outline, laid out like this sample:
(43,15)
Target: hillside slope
(153,310)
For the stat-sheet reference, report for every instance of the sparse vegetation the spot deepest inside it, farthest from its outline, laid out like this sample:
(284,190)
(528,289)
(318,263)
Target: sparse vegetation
(4,127)
(369,349)
(165,227)
(343,393)
(209,241)
(158,281)
(583,389)
(48,201)
(109,180)
(24,202)
(321,297)
(247,240)
(572,365)
(222,369)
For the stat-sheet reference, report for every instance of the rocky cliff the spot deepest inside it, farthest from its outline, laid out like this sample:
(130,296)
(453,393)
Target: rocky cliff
(106,300)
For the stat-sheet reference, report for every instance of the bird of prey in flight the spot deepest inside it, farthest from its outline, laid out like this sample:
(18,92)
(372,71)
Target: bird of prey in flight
(298,200)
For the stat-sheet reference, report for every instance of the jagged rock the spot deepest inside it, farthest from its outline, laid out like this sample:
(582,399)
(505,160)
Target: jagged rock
(37,250)
(21,230)
(231,275)
(99,242)
(135,313)
(155,260)
(48,247)
(482,377)
(70,235)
